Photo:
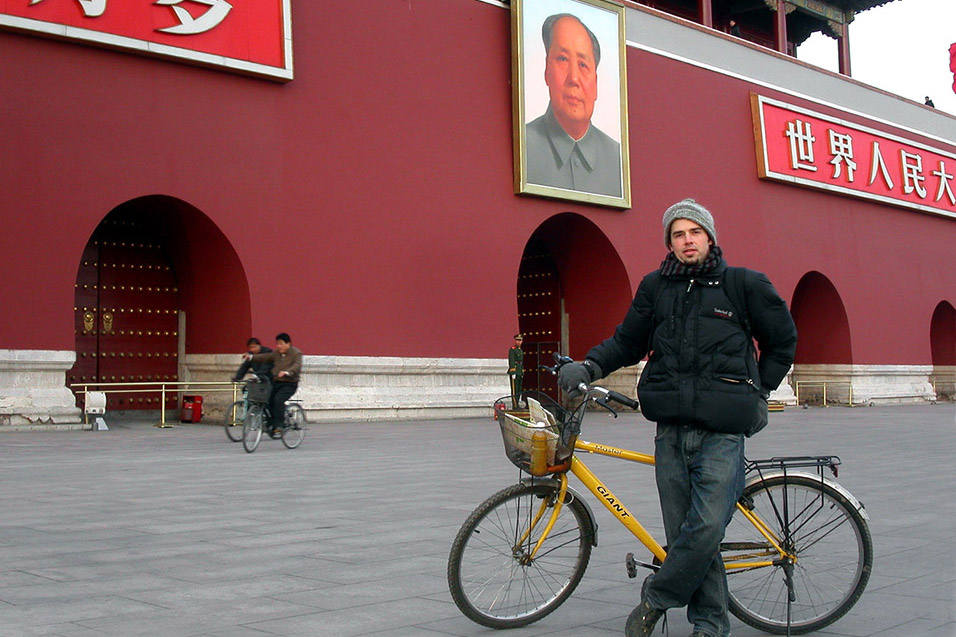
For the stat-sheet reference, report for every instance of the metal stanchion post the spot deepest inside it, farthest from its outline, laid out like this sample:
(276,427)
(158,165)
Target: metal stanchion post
(162,408)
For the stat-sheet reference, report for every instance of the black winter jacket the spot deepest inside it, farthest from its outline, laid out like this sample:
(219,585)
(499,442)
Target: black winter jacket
(702,371)
(262,369)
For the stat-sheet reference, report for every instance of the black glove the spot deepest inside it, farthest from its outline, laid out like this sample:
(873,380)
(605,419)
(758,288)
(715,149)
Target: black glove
(573,374)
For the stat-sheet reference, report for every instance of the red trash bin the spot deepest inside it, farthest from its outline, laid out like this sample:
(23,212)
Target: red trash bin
(192,409)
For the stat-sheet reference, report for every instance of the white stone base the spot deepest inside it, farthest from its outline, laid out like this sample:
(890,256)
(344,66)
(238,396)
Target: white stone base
(34,395)
(359,388)
(33,391)
(864,384)
(943,379)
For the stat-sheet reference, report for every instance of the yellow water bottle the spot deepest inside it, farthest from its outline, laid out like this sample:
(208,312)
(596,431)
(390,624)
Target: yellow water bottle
(539,454)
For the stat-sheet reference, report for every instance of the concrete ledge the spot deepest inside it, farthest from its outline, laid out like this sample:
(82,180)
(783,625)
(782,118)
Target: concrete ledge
(870,384)
(33,389)
(365,389)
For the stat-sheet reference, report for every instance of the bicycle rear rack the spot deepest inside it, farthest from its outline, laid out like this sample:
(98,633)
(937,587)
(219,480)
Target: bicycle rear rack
(784,463)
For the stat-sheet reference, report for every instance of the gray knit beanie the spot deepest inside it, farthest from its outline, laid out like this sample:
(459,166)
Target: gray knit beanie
(689,209)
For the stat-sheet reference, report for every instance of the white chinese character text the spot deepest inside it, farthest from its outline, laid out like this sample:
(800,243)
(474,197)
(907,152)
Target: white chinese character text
(912,167)
(91,8)
(944,184)
(878,162)
(841,147)
(188,25)
(801,145)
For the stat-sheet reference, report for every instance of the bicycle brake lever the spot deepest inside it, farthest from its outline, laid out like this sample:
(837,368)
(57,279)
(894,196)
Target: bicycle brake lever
(603,403)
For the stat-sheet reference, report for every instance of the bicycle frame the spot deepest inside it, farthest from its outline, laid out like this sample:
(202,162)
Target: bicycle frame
(621,513)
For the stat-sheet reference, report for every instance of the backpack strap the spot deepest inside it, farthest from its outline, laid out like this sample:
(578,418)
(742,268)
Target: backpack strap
(736,292)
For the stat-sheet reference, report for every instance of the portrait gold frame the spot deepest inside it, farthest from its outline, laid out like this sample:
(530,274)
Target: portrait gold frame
(610,18)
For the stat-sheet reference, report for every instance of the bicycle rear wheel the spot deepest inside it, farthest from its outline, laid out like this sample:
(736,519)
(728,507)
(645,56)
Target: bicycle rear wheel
(252,428)
(831,544)
(232,421)
(492,577)
(294,430)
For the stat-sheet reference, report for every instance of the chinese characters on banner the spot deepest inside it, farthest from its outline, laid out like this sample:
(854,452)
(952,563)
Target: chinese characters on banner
(799,146)
(248,36)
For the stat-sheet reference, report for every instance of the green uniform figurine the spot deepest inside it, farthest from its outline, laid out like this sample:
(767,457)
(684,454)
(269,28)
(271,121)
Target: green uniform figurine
(516,369)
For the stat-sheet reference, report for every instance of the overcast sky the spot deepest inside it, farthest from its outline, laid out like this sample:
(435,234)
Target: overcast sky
(901,47)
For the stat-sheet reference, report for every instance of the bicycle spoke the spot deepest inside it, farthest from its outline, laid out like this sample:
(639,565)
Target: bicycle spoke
(492,577)
(831,556)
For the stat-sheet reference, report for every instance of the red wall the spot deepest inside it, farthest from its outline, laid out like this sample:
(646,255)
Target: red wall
(370,200)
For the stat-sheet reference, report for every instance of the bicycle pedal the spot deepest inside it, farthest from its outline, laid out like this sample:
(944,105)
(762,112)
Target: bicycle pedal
(631,565)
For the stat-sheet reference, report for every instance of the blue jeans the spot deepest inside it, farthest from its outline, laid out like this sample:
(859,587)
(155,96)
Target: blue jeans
(700,477)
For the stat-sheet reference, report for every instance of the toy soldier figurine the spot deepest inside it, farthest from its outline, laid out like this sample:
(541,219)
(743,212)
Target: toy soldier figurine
(516,369)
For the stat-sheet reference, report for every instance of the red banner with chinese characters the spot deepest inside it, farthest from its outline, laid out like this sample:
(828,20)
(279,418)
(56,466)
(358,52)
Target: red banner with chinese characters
(802,147)
(247,36)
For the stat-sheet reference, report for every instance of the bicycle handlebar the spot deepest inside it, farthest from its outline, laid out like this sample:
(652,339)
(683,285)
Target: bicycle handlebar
(584,388)
(611,395)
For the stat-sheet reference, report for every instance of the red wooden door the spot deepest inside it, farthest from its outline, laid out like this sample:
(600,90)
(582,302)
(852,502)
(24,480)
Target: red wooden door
(539,315)
(126,313)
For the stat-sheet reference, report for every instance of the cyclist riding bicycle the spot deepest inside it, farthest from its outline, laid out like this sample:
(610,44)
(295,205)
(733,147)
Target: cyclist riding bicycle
(286,367)
(705,388)
(262,370)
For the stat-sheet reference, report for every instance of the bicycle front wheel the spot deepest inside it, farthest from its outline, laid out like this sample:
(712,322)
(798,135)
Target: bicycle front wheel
(232,421)
(252,428)
(831,549)
(492,576)
(294,430)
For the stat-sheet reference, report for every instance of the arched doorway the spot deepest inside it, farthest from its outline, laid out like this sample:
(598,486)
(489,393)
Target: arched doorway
(572,291)
(822,324)
(942,336)
(822,369)
(151,263)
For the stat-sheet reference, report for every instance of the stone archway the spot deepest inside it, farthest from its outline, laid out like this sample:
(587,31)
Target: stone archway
(573,289)
(942,334)
(158,280)
(824,355)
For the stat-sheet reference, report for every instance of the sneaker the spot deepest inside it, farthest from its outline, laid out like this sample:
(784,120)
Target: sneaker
(641,621)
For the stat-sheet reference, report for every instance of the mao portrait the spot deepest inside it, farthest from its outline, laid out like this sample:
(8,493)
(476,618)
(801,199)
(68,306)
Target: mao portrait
(570,97)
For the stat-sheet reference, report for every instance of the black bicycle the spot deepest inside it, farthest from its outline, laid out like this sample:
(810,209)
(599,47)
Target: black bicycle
(258,412)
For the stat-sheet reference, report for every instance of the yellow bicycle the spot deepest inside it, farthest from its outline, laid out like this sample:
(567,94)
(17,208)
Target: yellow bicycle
(798,551)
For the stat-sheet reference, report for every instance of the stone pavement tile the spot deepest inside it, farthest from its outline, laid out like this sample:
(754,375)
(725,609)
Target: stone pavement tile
(579,617)
(57,591)
(189,597)
(921,627)
(14,578)
(22,617)
(373,591)
(353,572)
(202,618)
(885,613)
(358,620)
(58,630)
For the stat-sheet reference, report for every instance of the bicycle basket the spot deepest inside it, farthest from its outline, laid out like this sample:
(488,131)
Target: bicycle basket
(258,391)
(519,425)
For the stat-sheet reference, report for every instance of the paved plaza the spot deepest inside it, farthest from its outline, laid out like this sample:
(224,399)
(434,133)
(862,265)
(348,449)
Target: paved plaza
(179,532)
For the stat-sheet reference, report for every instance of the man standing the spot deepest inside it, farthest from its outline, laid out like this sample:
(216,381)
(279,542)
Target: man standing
(564,149)
(706,389)
(286,368)
(516,369)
